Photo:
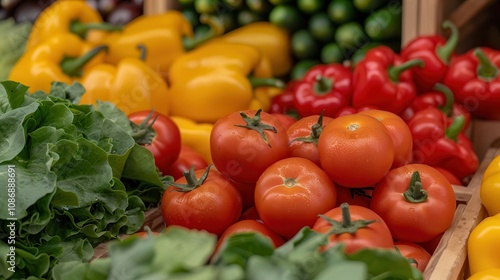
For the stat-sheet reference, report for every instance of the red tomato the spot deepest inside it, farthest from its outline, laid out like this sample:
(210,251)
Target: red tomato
(209,203)
(356,150)
(247,192)
(286,120)
(416,201)
(162,138)
(414,252)
(243,144)
(400,134)
(251,214)
(450,176)
(187,157)
(348,217)
(250,226)
(291,194)
(354,196)
(303,137)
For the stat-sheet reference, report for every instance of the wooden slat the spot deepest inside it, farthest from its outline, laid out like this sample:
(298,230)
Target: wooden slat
(469,10)
(153,7)
(410,21)
(431,16)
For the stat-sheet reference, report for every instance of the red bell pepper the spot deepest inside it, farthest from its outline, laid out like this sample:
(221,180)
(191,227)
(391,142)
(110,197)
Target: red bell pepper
(475,80)
(325,87)
(283,102)
(441,98)
(349,110)
(382,80)
(438,144)
(436,52)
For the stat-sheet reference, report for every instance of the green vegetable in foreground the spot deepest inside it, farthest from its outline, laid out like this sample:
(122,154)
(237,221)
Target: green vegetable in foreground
(77,180)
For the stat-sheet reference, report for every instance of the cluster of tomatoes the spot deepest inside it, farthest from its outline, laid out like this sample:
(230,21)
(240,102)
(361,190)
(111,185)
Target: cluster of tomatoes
(350,176)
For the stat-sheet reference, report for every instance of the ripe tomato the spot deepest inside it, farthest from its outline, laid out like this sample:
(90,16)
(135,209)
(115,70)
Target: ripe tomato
(243,144)
(286,120)
(303,136)
(450,176)
(247,192)
(187,157)
(354,196)
(251,214)
(291,194)
(207,201)
(356,150)
(400,134)
(415,252)
(250,226)
(416,201)
(348,217)
(160,135)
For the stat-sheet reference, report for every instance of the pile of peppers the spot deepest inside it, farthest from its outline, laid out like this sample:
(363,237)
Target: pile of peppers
(157,62)
(431,87)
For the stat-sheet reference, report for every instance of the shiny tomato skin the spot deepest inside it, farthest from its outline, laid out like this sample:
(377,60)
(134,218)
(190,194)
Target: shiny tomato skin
(286,120)
(356,150)
(251,214)
(242,154)
(450,176)
(414,251)
(303,128)
(213,206)
(291,194)
(375,235)
(166,144)
(400,134)
(415,222)
(187,157)
(354,196)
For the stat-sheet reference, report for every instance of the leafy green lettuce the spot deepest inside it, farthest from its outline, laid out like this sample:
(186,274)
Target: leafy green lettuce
(80,178)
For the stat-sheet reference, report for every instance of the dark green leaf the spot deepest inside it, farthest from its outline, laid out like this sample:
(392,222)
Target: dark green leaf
(112,113)
(238,248)
(140,166)
(73,92)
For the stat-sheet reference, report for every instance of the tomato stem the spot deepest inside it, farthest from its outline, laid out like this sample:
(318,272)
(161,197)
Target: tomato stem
(316,130)
(289,182)
(415,193)
(256,124)
(144,133)
(347,225)
(191,181)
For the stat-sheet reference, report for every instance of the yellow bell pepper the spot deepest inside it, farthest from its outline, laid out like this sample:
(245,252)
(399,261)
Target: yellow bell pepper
(483,245)
(131,85)
(490,187)
(488,274)
(75,16)
(217,79)
(166,36)
(62,57)
(271,40)
(195,135)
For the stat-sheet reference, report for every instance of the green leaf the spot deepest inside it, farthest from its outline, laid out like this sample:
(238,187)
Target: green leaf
(71,270)
(132,258)
(4,266)
(76,250)
(37,265)
(344,270)
(13,137)
(73,92)
(238,248)
(112,113)
(141,166)
(265,268)
(12,95)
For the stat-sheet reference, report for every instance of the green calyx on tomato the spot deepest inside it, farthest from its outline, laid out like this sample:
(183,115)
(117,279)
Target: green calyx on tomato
(347,225)
(415,193)
(191,181)
(144,133)
(256,124)
(316,130)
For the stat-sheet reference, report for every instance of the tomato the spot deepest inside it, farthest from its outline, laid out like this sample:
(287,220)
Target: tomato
(400,134)
(285,119)
(250,226)
(291,194)
(450,176)
(416,201)
(162,137)
(247,193)
(303,136)
(414,252)
(356,150)
(187,157)
(207,201)
(243,144)
(354,196)
(349,217)
(251,214)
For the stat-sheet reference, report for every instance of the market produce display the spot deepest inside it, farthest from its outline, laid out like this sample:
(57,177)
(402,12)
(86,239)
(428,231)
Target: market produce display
(258,139)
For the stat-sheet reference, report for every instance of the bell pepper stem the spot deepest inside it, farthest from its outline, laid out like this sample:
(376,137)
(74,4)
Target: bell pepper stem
(445,51)
(322,85)
(347,225)
(316,130)
(144,51)
(447,109)
(396,71)
(455,128)
(256,124)
(266,82)
(72,66)
(81,29)
(191,181)
(486,70)
(216,29)
(415,193)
